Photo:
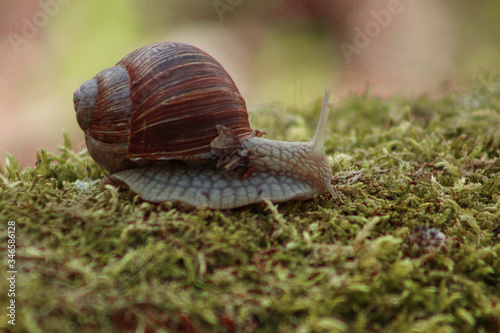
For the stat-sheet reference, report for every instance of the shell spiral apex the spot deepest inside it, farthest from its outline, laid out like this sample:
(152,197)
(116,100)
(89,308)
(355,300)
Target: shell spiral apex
(168,122)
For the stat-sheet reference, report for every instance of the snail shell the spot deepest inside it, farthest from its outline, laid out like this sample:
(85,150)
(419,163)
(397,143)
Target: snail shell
(168,122)
(160,102)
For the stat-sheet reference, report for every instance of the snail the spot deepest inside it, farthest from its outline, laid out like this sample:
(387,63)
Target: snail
(168,122)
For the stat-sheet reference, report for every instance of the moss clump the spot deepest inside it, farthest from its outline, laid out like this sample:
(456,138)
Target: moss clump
(413,246)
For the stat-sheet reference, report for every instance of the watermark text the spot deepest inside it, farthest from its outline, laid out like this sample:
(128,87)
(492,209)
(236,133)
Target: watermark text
(32,25)
(223,6)
(11,273)
(363,37)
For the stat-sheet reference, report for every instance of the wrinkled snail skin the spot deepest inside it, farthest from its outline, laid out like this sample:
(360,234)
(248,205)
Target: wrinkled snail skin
(283,171)
(168,123)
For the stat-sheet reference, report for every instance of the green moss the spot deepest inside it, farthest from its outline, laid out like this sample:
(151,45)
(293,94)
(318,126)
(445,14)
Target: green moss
(105,261)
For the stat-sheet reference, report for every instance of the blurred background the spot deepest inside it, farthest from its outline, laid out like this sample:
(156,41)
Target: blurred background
(286,51)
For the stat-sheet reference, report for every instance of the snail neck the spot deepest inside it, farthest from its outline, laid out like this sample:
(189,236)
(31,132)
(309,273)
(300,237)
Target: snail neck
(304,161)
(294,159)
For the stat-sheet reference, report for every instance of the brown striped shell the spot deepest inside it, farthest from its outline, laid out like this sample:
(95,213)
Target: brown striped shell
(161,102)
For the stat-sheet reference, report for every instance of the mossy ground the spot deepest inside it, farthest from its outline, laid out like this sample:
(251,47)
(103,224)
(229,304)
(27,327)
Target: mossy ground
(105,261)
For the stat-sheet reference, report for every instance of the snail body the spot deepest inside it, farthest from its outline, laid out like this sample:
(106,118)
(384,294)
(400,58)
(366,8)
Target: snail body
(169,123)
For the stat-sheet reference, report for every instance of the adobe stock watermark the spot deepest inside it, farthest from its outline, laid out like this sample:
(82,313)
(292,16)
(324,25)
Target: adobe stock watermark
(31,26)
(363,37)
(223,6)
(486,87)
(11,272)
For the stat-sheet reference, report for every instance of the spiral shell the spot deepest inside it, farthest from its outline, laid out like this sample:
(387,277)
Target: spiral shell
(160,102)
